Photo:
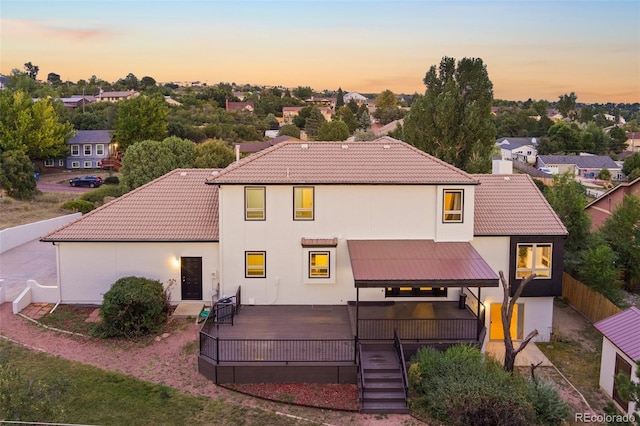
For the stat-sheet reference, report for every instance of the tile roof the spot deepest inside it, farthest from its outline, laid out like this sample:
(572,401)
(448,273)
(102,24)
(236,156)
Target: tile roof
(376,263)
(175,207)
(383,161)
(581,161)
(513,205)
(91,136)
(623,330)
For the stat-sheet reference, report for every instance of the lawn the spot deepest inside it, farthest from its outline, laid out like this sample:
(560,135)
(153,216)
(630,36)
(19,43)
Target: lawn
(43,206)
(93,396)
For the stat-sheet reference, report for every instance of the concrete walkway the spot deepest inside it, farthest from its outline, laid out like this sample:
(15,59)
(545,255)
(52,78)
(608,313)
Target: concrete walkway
(34,260)
(531,354)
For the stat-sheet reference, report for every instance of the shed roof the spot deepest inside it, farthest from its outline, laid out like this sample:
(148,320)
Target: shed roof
(623,330)
(175,207)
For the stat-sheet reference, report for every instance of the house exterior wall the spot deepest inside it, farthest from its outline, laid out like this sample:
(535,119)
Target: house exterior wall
(104,263)
(341,211)
(607,369)
(86,161)
(601,209)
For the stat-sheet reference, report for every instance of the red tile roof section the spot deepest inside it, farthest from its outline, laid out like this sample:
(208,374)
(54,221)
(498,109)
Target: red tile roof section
(383,161)
(513,205)
(623,330)
(175,207)
(418,261)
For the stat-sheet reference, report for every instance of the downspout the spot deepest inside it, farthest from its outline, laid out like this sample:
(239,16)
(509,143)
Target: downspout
(57,277)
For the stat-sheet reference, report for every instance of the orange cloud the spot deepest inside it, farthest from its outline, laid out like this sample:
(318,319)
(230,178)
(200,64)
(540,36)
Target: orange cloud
(40,30)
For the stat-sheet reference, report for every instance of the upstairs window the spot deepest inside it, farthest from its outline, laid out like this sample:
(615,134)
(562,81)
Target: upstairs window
(319,264)
(75,150)
(533,259)
(100,149)
(255,264)
(86,149)
(303,203)
(254,202)
(452,206)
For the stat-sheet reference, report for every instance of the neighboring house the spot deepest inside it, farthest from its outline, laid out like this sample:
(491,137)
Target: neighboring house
(554,115)
(610,117)
(357,97)
(620,353)
(171,101)
(520,149)
(602,207)
(586,166)
(239,106)
(384,130)
(633,141)
(88,148)
(289,112)
(75,102)
(116,96)
(322,102)
(4,80)
(242,149)
(330,227)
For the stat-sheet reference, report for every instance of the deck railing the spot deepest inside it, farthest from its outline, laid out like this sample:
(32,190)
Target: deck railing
(477,307)
(286,351)
(419,329)
(397,345)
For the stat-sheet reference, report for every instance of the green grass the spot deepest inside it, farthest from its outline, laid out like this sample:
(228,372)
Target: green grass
(93,396)
(69,318)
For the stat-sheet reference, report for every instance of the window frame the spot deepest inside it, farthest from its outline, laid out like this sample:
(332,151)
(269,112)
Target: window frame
(87,164)
(297,209)
(247,266)
(534,268)
(247,209)
(49,162)
(446,212)
(311,266)
(87,150)
(74,150)
(75,164)
(100,149)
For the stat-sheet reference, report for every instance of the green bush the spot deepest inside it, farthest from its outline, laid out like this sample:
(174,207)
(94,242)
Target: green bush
(97,195)
(81,206)
(133,307)
(462,387)
(112,180)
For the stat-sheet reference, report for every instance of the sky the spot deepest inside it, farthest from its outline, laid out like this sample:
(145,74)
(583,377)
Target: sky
(532,49)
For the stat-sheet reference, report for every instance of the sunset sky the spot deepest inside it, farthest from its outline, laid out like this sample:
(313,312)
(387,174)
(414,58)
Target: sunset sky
(533,49)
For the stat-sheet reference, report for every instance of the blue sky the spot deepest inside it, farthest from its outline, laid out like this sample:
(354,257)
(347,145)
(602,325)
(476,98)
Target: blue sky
(532,49)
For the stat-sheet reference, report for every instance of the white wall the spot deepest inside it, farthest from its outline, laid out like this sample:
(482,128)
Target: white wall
(607,369)
(104,263)
(18,235)
(341,211)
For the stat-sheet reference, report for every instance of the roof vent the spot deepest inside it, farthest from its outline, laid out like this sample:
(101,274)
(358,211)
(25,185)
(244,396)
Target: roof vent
(215,172)
(304,146)
(345,146)
(183,173)
(507,178)
(386,146)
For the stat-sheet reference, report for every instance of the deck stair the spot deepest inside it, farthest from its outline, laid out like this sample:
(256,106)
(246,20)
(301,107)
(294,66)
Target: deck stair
(383,383)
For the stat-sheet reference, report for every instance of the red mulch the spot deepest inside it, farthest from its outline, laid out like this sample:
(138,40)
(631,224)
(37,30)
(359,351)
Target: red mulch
(330,396)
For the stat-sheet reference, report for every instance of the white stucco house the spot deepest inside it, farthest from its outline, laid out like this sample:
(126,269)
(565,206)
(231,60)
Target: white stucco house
(620,353)
(520,149)
(327,223)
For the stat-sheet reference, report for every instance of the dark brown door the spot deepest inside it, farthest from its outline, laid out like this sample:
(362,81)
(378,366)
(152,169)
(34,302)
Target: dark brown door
(623,367)
(191,278)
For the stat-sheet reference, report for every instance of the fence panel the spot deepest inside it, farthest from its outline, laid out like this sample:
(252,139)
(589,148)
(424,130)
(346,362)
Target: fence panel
(587,301)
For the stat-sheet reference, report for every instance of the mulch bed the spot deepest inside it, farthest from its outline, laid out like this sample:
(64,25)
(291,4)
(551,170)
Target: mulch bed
(325,395)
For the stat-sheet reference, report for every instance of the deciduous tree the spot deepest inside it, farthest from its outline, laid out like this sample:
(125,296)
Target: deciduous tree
(141,118)
(32,70)
(289,130)
(566,104)
(453,120)
(213,153)
(16,175)
(344,114)
(335,130)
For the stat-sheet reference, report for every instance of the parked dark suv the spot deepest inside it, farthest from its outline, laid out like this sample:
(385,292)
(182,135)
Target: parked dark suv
(90,181)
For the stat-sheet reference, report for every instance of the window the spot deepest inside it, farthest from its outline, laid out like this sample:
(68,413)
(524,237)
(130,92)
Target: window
(60,163)
(75,150)
(49,163)
(533,258)
(88,164)
(255,265)
(86,149)
(254,202)
(415,291)
(319,264)
(452,206)
(75,164)
(100,149)
(303,203)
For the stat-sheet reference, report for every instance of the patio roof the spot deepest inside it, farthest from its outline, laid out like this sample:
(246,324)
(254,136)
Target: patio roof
(414,263)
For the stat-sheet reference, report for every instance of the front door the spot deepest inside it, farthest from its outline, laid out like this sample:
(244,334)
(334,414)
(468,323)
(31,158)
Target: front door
(191,278)
(496,331)
(624,368)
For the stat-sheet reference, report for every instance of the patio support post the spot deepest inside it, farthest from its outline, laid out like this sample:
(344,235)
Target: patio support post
(357,314)
(478,315)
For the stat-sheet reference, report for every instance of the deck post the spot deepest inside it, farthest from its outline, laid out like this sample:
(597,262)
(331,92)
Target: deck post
(478,316)
(217,350)
(357,314)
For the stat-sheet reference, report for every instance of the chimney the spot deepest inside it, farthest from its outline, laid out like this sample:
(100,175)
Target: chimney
(501,167)
(236,149)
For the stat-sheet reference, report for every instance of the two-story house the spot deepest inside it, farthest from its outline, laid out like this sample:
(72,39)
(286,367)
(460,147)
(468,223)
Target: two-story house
(520,149)
(88,148)
(378,239)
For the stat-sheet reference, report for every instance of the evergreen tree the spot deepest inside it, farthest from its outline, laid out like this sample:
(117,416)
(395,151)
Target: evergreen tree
(313,122)
(339,98)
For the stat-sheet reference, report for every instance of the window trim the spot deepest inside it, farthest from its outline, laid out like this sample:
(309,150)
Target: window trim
(533,261)
(264,204)
(311,267)
(446,212)
(49,162)
(85,152)
(75,150)
(100,151)
(75,164)
(87,164)
(246,264)
(297,210)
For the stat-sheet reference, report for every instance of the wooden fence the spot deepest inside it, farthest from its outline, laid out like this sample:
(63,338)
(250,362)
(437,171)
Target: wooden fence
(587,301)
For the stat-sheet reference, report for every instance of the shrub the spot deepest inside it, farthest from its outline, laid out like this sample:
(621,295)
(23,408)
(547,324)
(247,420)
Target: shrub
(112,180)
(133,307)
(81,206)
(97,195)
(550,408)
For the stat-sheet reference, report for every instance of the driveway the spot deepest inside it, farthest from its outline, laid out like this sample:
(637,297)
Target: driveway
(60,187)
(34,260)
